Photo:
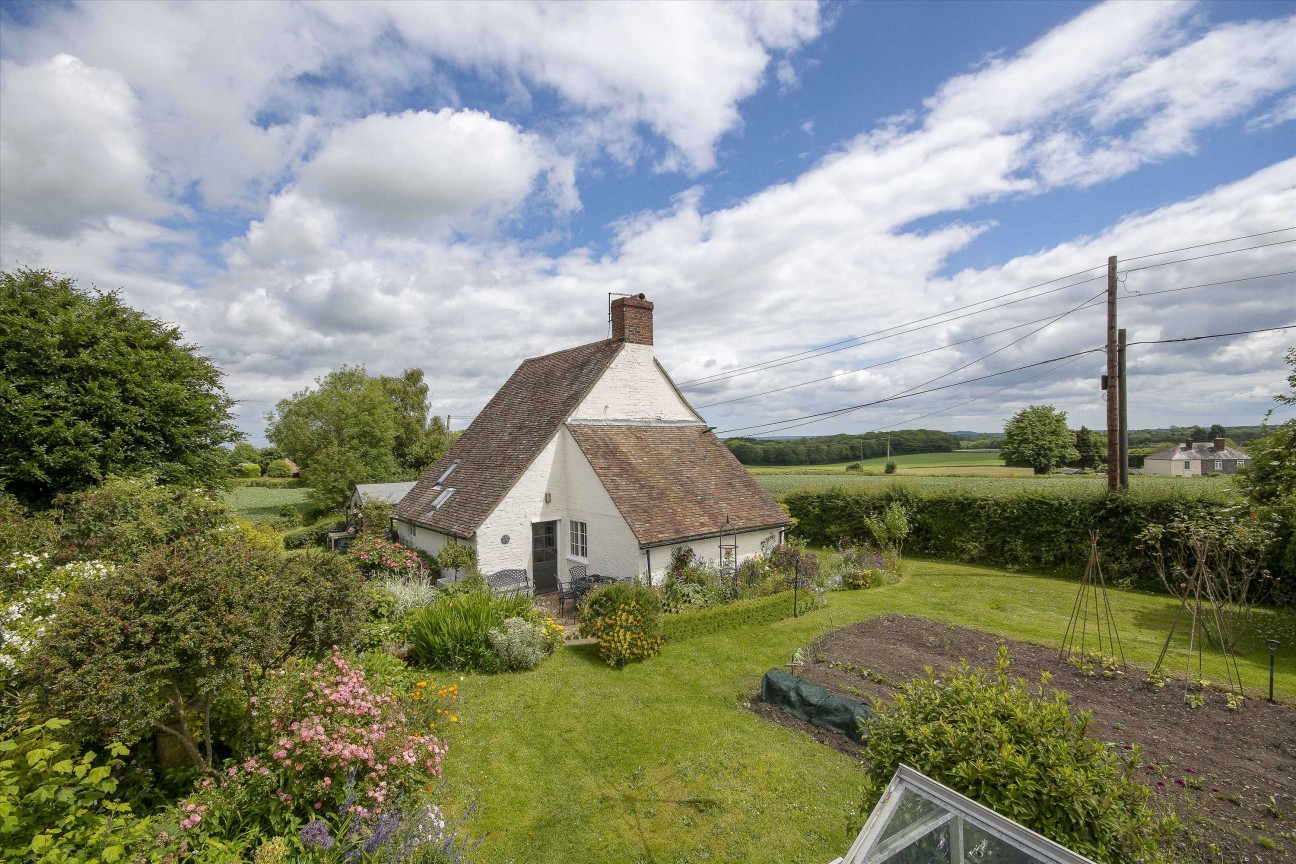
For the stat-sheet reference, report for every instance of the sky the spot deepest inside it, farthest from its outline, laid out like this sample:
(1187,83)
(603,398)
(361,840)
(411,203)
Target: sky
(460,186)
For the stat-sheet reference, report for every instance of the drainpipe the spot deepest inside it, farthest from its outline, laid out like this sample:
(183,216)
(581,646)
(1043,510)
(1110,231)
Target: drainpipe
(648,556)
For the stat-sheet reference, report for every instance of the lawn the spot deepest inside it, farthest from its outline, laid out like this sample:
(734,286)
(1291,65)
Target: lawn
(660,761)
(260,504)
(981,459)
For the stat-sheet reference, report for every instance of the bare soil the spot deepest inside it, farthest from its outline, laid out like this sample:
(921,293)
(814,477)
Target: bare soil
(1230,776)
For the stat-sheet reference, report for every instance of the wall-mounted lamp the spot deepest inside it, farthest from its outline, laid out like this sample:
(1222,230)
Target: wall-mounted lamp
(548,497)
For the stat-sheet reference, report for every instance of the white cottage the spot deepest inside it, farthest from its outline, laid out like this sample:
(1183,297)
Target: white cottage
(590,456)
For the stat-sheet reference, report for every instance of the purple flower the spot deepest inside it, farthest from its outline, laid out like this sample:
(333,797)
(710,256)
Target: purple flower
(316,833)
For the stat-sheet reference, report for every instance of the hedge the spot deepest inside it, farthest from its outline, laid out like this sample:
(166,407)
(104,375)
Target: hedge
(1038,529)
(268,482)
(742,613)
(312,535)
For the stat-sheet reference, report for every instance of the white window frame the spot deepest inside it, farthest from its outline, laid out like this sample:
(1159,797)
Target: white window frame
(578,539)
(1219,464)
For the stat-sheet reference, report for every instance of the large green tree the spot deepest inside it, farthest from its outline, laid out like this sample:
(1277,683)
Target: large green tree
(89,387)
(1038,437)
(355,428)
(1092,447)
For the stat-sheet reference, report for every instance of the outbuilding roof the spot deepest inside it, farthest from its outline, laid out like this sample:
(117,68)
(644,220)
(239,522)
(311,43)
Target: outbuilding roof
(1198,453)
(505,438)
(674,483)
(383,493)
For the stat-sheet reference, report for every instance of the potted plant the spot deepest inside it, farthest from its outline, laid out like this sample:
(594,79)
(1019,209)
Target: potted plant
(454,559)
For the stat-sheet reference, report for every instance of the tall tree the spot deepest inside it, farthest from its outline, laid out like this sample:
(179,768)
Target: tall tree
(1091,446)
(341,432)
(1038,437)
(89,387)
(419,442)
(1216,431)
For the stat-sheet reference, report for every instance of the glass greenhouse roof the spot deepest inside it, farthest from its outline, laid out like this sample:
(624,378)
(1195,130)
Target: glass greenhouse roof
(920,821)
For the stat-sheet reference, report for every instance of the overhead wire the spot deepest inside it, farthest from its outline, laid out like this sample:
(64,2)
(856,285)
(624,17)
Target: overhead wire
(1090,304)
(857,341)
(808,419)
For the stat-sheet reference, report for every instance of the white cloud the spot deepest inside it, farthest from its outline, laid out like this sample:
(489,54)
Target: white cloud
(71,152)
(421,169)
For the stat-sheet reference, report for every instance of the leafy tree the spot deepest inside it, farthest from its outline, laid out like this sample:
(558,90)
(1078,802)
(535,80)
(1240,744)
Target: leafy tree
(152,649)
(419,441)
(1216,431)
(242,454)
(1092,448)
(89,387)
(341,432)
(1038,437)
(1269,482)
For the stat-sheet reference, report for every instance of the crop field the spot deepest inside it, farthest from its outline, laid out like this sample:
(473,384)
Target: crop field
(259,504)
(915,462)
(779,485)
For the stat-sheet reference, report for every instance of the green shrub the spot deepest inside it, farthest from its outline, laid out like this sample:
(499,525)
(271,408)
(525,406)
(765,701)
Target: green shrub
(742,613)
(314,535)
(279,468)
(519,644)
(454,631)
(183,626)
(57,804)
(890,468)
(454,556)
(249,470)
(625,619)
(854,468)
(1022,753)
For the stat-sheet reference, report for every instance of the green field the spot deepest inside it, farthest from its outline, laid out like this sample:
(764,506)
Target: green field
(958,459)
(1078,485)
(662,762)
(257,504)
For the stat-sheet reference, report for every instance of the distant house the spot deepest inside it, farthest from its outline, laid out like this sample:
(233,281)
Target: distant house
(378,493)
(591,457)
(1196,460)
(292,467)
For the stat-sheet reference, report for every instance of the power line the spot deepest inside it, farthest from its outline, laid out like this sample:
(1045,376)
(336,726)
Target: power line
(1090,304)
(825,415)
(1211,243)
(857,341)
(795,422)
(822,349)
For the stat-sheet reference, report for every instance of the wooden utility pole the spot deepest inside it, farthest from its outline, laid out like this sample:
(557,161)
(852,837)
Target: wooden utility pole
(1113,384)
(1124,410)
(888,448)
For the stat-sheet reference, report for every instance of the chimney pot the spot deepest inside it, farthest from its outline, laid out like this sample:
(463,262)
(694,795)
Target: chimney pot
(1220,444)
(1187,443)
(632,320)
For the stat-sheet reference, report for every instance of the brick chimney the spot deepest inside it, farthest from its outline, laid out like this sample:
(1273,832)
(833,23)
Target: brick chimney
(1220,444)
(1187,443)
(632,320)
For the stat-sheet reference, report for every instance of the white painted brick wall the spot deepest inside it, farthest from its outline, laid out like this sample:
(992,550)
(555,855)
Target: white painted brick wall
(750,544)
(634,388)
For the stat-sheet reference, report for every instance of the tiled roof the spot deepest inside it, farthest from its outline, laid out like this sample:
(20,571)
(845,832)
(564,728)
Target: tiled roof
(675,482)
(505,437)
(1199,451)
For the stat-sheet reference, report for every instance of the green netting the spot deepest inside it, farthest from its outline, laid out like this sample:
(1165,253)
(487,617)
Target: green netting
(814,704)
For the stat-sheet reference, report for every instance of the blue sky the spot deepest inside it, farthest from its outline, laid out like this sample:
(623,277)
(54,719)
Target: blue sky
(459,186)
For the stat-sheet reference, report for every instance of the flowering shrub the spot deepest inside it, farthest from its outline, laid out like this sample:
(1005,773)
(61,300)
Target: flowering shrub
(372,552)
(858,567)
(328,744)
(625,619)
(33,588)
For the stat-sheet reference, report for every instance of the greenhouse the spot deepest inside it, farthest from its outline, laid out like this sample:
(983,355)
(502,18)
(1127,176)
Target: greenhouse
(920,821)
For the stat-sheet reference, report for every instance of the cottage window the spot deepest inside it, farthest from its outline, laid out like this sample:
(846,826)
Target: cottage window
(446,476)
(579,540)
(1187,464)
(1241,463)
(442,499)
(1219,464)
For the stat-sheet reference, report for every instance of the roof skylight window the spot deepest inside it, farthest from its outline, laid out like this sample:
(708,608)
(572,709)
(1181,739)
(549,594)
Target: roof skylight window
(446,476)
(441,500)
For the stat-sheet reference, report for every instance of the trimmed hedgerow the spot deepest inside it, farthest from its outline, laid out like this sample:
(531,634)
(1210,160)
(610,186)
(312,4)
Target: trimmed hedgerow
(1039,528)
(741,613)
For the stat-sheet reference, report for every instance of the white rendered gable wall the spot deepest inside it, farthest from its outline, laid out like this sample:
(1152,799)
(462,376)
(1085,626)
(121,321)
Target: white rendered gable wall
(634,389)
(576,493)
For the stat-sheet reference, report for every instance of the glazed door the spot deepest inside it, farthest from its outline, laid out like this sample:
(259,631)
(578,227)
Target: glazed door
(544,556)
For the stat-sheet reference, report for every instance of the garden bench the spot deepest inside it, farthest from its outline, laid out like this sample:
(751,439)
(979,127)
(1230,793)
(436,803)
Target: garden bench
(509,582)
